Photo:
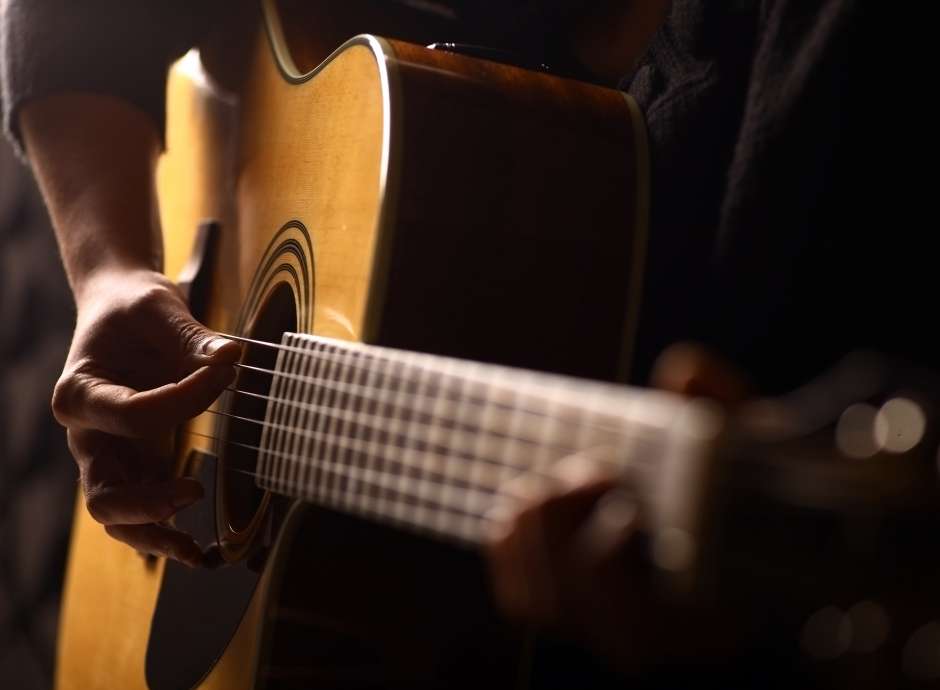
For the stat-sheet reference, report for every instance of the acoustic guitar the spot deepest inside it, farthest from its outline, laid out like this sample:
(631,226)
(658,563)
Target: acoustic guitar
(434,262)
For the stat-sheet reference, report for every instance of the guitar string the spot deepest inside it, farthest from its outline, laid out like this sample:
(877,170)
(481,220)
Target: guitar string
(405,504)
(434,362)
(356,419)
(410,499)
(373,448)
(413,503)
(470,488)
(493,489)
(356,389)
(444,459)
(359,418)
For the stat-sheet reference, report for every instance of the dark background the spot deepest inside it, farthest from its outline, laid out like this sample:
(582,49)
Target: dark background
(37,475)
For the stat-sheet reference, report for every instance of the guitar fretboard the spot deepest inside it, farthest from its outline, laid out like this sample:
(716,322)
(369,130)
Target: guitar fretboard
(430,442)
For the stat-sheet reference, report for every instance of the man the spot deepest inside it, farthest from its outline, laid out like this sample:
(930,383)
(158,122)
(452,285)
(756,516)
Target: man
(761,131)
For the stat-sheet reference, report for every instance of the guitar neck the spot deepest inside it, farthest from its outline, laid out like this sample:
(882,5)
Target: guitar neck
(430,442)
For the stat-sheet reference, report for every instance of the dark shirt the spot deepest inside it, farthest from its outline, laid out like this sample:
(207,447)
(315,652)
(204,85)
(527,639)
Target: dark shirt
(787,220)
(777,234)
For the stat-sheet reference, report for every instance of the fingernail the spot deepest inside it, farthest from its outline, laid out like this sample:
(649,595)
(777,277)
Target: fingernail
(214,345)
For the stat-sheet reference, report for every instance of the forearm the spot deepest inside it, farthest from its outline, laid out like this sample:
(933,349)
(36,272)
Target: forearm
(94,157)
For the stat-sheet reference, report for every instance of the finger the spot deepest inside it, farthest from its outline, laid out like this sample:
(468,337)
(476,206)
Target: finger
(691,369)
(122,411)
(159,540)
(507,574)
(141,504)
(538,545)
(522,490)
(106,460)
(506,549)
(526,581)
(590,472)
(608,529)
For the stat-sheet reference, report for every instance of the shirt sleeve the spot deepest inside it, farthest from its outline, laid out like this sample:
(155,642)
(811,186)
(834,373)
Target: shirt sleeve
(111,47)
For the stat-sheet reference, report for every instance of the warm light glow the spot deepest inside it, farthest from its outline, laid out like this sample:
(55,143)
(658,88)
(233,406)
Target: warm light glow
(827,634)
(855,432)
(870,626)
(922,653)
(899,425)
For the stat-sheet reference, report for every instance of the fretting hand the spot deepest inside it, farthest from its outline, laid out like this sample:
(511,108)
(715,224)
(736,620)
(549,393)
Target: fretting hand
(562,549)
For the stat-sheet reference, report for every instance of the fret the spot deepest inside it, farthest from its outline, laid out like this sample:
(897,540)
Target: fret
(586,437)
(286,439)
(411,456)
(265,459)
(298,419)
(321,400)
(455,410)
(375,382)
(483,448)
(512,454)
(309,399)
(355,461)
(287,382)
(397,426)
(326,449)
(387,450)
(325,441)
(545,452)
(439,436)
(340,458)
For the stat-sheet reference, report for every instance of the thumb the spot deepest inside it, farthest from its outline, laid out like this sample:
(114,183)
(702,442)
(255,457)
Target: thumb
(203,347)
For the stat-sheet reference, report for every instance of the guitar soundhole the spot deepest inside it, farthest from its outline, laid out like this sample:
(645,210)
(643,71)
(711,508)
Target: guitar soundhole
(240,495)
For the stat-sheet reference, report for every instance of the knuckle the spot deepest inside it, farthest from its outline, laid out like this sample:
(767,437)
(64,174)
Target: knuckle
(96,505)
(64,397)
(152,297)
(150,303)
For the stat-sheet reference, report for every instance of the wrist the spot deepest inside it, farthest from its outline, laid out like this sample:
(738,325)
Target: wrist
(92,251)
(111,277)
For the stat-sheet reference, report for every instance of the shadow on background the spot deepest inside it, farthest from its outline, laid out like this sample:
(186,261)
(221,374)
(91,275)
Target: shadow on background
(37,475)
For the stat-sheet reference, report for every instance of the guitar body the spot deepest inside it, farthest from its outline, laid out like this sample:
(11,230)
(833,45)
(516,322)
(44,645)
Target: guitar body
(403,197)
